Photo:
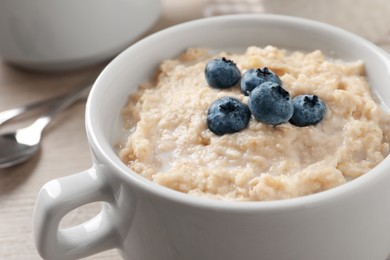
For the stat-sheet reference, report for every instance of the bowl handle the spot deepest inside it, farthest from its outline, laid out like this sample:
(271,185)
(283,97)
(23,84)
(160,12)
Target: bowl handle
(57,198)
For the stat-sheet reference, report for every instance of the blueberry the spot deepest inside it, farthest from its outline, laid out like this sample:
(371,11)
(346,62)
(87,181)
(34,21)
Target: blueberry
(255,77)
(308,110)
(271,104)
(227,115)
(222,73)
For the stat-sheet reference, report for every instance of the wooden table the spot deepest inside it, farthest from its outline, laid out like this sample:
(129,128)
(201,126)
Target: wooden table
(64,149)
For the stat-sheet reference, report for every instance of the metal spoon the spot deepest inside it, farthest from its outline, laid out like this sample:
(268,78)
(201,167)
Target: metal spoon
(12,113)
(20,145)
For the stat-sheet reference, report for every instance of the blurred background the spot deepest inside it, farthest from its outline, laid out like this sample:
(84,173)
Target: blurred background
(26,30)
(59,35)
(367,18)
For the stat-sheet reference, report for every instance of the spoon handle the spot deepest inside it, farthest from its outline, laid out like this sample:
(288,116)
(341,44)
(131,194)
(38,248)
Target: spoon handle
(61,104)
(9,114)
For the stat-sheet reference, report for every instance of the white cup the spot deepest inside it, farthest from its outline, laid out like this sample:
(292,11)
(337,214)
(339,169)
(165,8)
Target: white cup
(147,221)
(58,35)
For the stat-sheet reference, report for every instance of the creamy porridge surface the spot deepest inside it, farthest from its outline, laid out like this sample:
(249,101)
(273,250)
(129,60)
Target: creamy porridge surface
(169,142)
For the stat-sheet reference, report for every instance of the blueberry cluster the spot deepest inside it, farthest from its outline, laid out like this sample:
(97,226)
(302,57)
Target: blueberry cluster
(269,102)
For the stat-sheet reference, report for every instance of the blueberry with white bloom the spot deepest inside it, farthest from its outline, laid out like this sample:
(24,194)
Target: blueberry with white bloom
(227,115)
(255,77)
(308,110)
(271,104)
(222,73)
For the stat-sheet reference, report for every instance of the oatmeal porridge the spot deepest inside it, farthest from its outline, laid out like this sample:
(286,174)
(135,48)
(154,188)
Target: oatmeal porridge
(170,144)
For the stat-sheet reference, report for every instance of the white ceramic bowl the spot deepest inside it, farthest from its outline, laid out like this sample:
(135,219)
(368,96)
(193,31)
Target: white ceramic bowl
(148,221)
(57,35)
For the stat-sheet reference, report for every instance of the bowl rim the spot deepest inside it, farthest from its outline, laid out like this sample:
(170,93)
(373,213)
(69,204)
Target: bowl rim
(99,146)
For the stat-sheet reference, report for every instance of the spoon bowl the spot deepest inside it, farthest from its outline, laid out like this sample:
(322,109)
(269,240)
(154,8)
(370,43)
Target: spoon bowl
(20,145)
(15,151)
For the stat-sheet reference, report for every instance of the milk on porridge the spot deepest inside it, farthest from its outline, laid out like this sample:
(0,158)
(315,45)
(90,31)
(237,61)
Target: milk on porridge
(169,142)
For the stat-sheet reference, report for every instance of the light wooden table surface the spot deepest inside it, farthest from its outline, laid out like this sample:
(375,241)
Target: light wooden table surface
(64,149)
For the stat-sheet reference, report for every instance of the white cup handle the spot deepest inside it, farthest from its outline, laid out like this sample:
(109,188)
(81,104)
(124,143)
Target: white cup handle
(57,198)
